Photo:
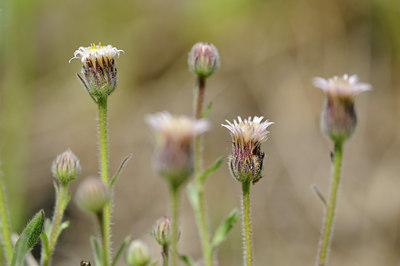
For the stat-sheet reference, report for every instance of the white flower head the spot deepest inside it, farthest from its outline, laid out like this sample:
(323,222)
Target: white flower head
(95,52)
(341,86)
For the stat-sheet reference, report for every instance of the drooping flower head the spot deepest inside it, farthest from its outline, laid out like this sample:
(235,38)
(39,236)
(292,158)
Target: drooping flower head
(98,74)
(173,158)
(338,116)
(66,167)
(203,59)
(247,158)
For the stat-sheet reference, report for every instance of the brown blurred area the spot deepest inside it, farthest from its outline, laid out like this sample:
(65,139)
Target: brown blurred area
(270,51)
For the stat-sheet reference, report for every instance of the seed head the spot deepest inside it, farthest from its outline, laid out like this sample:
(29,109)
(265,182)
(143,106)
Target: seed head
(173,158)
(338,116)
(92,195)
(247,158)
(138,254)
(162,231)
(203,59)
(66,167)
(98,74)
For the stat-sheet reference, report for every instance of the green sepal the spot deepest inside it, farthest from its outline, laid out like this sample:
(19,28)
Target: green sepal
(96,250)
(27,239)
(202,178)
(193,197)
(120,250)
(223,229)
(121,166)
(186,259)
(207,110)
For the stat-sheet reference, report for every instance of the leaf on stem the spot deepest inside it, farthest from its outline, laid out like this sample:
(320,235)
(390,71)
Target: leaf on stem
(61,228)
(193,197)
(96,250)
(45,243)
(224,229)
(207,110)
(124,161)
(28,238)
(211,169)
(319,194)
(186,259)
(120,250)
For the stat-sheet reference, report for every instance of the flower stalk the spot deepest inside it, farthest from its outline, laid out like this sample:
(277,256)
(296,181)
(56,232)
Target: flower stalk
(247,231)
(5,223)
(174,200)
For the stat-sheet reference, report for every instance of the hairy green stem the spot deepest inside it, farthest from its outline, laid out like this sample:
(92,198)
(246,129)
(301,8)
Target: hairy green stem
(174,194)
(62,197)
(328,222)
(247,233)
(106,220)
(5,223)
(164,254)
(201,215)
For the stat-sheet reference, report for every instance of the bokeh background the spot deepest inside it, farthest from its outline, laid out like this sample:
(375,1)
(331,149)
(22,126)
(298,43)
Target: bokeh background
(270,51)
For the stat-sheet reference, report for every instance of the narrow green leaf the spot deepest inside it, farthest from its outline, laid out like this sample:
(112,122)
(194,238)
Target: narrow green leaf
(45,243)
(319,195)
(28,238)
(193,198)
(211,169)
(186,259)
(120,250)
(224,229)
(96,250)
(154,263)
(47,226)
(61,228)
(124,161)
(207,110)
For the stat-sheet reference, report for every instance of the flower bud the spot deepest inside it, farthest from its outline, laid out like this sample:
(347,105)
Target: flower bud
(66,167)
(162,231)
(173,158)
(99,74)
(338,117)
(138,254)
(92,195)
(246,160)
(203,59)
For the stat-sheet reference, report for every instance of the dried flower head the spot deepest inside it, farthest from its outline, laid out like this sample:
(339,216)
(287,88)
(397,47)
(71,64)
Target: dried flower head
(162,231)
(98,75)
(138,254)
(247,158)
(203,59)
(92,195)
(66,167)
(338,116)
(173,158)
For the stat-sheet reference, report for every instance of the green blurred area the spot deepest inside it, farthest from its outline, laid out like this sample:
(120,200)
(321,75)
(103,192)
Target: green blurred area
(270,51)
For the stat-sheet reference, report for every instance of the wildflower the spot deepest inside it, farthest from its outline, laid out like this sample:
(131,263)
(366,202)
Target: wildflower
(173,158)
(99,74)
(138,254)
(162,231)
(92,195)
(246,160)
(203,59)
(338,116)
(66,167)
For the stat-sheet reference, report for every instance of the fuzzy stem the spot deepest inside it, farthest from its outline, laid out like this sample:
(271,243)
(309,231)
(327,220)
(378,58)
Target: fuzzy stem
(164,254)
(328,222)
(106,220)
(174,223)
(5,224)
(247,233)
(201,215)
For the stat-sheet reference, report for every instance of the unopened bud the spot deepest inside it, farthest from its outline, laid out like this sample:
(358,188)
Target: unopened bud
(338,116)
(138,254)
(92,195)
(203,59)
(162,231)
(66,167)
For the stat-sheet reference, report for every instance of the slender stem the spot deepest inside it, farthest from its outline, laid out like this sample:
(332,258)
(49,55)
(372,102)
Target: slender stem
(5,224)
(328,222)
(100,218)
(174,223)
(247,233)
(106,220)
(201,215)
(164,254)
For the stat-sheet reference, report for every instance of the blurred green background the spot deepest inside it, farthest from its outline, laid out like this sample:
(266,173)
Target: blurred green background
(270,51)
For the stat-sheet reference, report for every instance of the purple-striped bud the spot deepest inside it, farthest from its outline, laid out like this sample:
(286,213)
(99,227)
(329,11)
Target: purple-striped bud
(66,167)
